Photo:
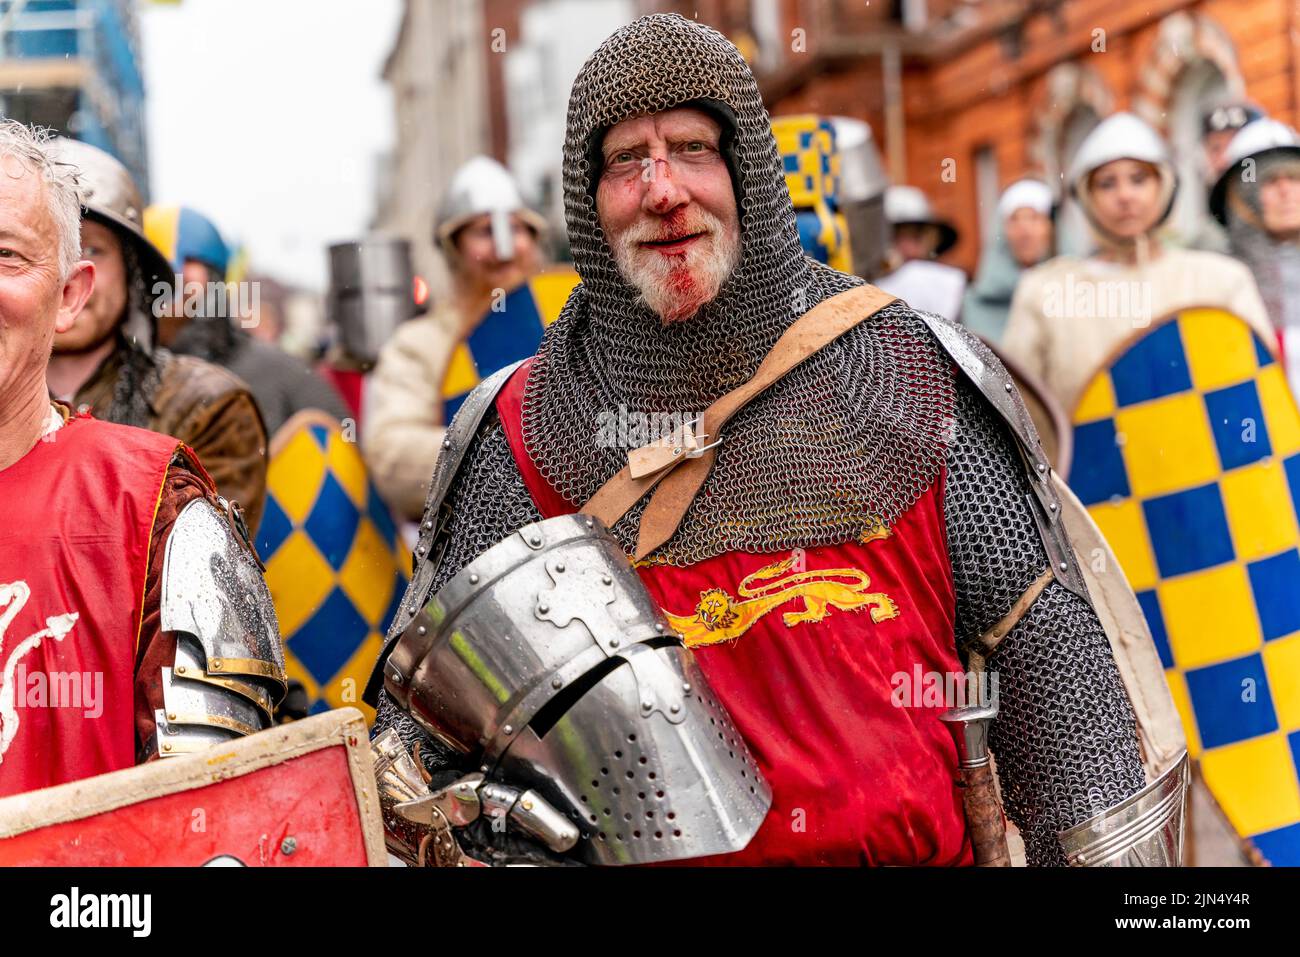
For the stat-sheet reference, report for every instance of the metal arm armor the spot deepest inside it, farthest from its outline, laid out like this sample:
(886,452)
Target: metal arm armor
(228,674)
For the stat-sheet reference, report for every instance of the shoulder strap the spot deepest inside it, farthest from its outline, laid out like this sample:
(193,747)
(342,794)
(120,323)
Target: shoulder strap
(993,382)
(681,478)
(437,516)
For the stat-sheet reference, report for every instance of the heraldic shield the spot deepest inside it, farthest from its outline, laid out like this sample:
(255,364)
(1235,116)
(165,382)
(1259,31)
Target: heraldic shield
(335,564)
(297,795)
(510,330)
(811,163)
(1187,456)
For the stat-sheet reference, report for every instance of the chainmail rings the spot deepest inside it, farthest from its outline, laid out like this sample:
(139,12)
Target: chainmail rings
(1065,739)
(846,441)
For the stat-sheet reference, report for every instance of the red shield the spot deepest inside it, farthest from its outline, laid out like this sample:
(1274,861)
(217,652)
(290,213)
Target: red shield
(301,794)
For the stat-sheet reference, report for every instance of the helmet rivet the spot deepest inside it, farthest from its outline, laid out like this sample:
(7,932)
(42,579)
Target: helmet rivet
(419,550)
(613,642)
(1009,386)
(647,705)
(606,580)
(428,526)
(473,578)
(559,567)
(557,683)
(535,540)
(659,627)
(543,608)
(1064,566)
(675,708)
(686,686)
(446,443)
(422,631)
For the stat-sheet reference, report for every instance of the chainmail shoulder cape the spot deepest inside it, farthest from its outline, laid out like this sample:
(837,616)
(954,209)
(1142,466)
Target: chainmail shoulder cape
(845,442)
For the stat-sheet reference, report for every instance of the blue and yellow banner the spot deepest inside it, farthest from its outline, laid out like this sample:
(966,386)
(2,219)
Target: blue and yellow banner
(1187,455)
(509,331)
(335,564)
(812,175)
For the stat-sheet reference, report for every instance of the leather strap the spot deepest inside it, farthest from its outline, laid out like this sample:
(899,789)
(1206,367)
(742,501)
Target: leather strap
(680,481)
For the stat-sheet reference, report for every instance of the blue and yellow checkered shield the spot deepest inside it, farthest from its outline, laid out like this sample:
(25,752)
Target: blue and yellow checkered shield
(510,330)
(1187,455)
(335,564)
(811,163)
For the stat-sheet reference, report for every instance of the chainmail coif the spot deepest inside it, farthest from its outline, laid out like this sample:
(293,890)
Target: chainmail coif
(845,442)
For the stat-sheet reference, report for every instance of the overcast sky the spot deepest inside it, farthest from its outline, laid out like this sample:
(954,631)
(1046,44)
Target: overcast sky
(268,115)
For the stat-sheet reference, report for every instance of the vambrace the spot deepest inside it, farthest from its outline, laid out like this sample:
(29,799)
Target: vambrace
(228,674)
(1065,739)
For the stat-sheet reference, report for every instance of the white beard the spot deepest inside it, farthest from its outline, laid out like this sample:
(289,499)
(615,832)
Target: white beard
(676,287)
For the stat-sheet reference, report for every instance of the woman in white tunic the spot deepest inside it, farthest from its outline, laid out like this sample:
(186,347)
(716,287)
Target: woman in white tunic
(1071,314)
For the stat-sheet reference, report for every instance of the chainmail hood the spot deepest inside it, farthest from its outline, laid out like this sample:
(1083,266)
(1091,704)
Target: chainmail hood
(845,442)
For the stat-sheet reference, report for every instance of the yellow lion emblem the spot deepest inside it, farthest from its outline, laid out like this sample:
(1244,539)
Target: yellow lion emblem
(718,617)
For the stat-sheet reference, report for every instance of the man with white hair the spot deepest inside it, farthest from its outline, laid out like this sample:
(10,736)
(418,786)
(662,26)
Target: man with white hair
(112,537)
(862,511)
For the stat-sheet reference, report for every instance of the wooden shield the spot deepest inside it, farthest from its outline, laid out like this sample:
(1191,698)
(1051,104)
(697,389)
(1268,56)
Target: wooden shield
(297,795)
(1187,456)
(335,564)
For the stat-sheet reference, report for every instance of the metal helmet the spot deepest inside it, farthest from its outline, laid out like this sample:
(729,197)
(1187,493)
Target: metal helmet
(548,664)
(183,234)
(907,205)
(483,187)
(1253,141)
(110,196)
(863,182)
(1121,136)
(371,293)
(1228,113)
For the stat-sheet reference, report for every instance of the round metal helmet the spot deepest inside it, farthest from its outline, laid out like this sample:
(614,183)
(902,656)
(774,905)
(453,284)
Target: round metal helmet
(547,663)
(1253,141)
(109,195)
(483,187)
(1118,136)
(1121,136)
(1228,113)
(907,205)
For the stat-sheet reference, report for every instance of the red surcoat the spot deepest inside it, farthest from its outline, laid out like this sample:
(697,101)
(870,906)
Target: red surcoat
(813,653)
(74,551)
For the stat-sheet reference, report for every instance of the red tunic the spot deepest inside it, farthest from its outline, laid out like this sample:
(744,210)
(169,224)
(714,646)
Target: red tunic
(74,542)
(806,653)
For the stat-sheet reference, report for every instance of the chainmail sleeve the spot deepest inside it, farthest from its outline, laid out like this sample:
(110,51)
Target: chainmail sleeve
(1065,739)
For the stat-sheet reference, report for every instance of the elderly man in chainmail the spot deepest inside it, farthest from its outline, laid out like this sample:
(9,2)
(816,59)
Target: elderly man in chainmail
(868,516)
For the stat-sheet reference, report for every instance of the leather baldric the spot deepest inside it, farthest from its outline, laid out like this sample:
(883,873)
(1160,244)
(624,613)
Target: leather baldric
(685,466)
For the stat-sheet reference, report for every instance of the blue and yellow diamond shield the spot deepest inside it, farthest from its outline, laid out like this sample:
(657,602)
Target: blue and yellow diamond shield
(811,162)
(335,564)
(1187,455)
(510,330)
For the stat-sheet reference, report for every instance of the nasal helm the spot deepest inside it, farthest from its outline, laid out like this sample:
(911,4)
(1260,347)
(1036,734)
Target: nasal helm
(483,187)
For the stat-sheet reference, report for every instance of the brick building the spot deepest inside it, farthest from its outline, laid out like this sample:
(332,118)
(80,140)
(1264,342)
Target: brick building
(967,96)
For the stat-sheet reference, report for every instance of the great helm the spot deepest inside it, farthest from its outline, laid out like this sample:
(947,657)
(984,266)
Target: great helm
(548,664)
(1263,137)
(483,187)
